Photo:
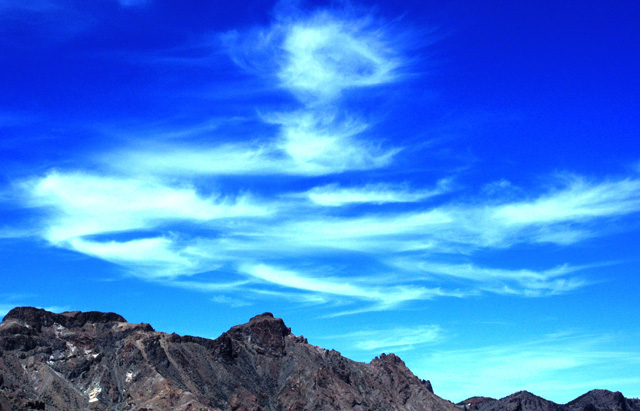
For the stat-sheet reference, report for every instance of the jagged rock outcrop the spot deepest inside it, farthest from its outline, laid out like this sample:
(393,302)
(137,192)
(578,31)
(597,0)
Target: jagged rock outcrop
(98,361)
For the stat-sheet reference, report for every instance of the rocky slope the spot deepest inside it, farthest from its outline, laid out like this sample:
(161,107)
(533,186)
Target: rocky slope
(98,361)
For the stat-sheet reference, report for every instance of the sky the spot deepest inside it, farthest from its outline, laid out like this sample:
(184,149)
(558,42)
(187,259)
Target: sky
(456,182)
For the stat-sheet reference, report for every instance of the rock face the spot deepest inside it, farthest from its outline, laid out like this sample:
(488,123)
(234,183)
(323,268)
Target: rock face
(98,361)
(596,400)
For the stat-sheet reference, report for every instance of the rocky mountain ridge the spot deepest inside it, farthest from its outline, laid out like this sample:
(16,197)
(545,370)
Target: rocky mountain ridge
(99,361)
(595,400)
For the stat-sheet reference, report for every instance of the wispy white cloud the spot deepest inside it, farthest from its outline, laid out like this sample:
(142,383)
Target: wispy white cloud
(80,207)
(464,228)
(333,195)
(81,204)
(155,257)
(391,339)
(579,200)
(502,281)
(208,287)
(84,212)
(358,288)
(302,150)
(319,143)
(568,213)
(327,54)
(319,55)
(229,301)
(306,298)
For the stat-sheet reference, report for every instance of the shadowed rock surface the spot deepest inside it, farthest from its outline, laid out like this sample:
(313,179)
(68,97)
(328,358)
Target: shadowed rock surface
(98,361)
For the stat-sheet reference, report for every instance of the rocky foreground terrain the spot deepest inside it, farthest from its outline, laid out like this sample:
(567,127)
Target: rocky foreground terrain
(98,361)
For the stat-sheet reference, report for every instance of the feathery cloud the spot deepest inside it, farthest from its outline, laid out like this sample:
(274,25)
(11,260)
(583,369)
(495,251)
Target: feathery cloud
(525,282)
(326,54)
(82,204)
(333,195)
(396,339)
(89,213)
(386,297)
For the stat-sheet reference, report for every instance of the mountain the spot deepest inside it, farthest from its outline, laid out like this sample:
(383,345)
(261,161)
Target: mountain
(99,361)
(596,400)
(520,401)
(604,400)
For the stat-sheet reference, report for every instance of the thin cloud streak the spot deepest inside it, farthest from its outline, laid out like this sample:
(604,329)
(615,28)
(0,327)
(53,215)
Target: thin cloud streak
(387,297)
(333,195)
(396,339)
(149,257)
(524,282)
(306,148)
(578,201)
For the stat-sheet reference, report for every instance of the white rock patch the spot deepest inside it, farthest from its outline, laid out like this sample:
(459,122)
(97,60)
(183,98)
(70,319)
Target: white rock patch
(93,393)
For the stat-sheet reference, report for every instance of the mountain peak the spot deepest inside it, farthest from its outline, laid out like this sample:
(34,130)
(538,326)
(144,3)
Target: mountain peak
(597,399)
(266,315)
(265,332)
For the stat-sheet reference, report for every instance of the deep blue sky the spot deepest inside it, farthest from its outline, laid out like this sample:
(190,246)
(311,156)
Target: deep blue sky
(456,182)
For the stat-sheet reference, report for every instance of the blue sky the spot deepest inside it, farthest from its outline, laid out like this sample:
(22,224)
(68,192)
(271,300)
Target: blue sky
(456,182)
